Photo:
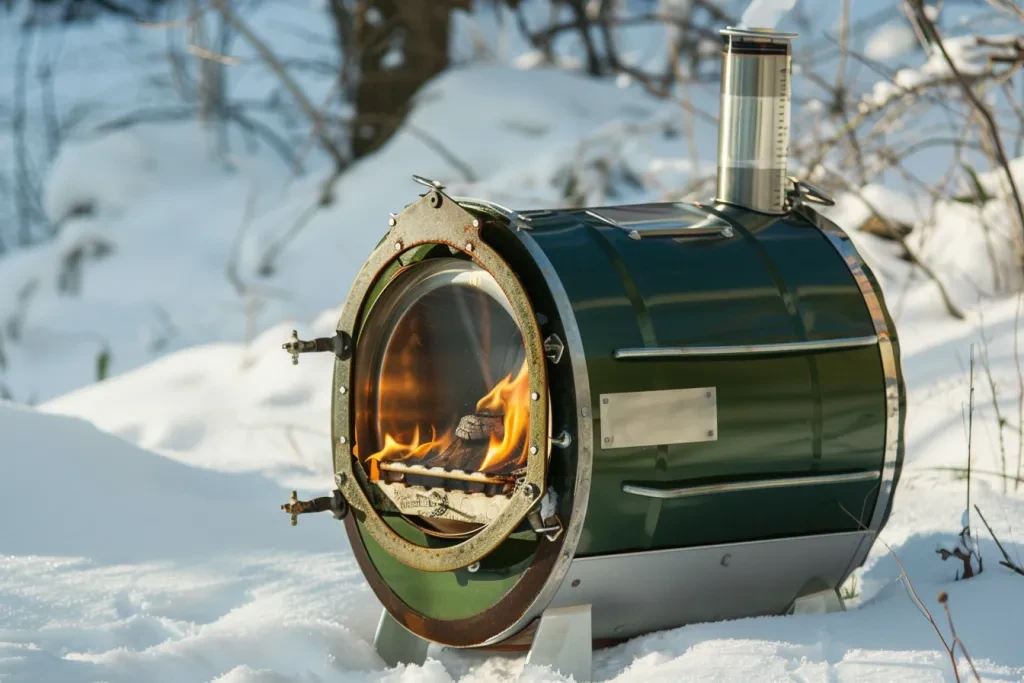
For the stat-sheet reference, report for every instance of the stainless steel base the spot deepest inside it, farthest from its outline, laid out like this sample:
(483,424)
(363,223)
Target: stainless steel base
(396,645)
(636,593)
(563,642)
(822,602)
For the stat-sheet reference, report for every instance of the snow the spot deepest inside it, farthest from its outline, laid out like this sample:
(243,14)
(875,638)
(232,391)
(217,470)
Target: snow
(889,41)
(140,535)
(765,13)
(178,566)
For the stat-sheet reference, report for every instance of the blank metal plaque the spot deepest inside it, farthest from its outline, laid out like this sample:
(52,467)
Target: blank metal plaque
(656,418)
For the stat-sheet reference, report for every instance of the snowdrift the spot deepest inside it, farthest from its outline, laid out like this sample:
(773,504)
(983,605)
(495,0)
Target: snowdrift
(69,489)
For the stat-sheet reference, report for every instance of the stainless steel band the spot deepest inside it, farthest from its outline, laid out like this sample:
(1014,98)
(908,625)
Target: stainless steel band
(780,349)
(759,484)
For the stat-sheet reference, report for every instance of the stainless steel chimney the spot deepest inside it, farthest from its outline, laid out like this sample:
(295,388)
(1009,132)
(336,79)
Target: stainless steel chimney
(753,134)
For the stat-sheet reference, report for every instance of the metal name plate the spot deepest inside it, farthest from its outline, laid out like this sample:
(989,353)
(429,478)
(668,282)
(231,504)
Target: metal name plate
(657,418)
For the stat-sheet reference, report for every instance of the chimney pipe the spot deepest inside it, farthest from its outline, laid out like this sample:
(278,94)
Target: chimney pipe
(753,134)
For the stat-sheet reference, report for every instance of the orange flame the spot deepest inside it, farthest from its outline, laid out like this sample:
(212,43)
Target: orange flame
(394,450)
(509,398)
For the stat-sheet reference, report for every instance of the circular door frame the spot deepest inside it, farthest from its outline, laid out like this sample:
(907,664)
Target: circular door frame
(436,219)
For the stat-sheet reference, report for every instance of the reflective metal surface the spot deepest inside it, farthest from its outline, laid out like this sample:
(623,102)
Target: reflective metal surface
(733,487)
(657,418)
(584,438)
(781,415)
(753,134)
(674,219)
(636,593)
(890,364)
(746,349)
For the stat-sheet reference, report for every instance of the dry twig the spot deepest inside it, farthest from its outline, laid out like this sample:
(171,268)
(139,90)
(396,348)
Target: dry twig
(985,113)
(944,601)
(911,591)
(279,70)
(1020,388)
(1006,561)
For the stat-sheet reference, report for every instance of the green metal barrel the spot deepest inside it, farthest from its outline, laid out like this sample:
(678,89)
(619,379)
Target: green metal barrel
(717,401)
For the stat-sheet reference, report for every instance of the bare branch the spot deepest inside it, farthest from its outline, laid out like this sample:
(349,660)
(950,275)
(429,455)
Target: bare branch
(911,254)
(275,65)
(1007,562)
(986,115)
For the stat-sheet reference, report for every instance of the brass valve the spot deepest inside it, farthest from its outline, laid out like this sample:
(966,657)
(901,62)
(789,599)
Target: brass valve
(336,505)
(340,344)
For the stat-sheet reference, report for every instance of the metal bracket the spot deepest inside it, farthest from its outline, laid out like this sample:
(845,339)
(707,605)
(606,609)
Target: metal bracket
(803,191)
(551,528)
(396,645)
(432,184)
(554,348)
(817,597)
(563,642)
(340,344)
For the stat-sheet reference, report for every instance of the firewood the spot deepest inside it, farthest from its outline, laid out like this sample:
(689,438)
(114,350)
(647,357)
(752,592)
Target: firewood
(479,426)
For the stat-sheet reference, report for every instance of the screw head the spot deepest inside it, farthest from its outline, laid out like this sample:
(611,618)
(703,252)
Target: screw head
(607,439)
(707,394)
(473,568)
(398,246)
(711,433)
(575,583)
(604,401)
(476,223)
(392,222)
(342,389)
(340,478)
(585,412)
(533,450)
(530,491)
(469,246)
(535,396)
(342,440)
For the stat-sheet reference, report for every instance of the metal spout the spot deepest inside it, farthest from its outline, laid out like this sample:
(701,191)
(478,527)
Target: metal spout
(753,134)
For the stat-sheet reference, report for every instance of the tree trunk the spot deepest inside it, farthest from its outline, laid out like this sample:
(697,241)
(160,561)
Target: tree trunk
(400,45)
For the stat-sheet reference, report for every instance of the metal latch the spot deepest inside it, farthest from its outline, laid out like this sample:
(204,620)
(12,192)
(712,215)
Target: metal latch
(804,191)
(335,504)
(340,344)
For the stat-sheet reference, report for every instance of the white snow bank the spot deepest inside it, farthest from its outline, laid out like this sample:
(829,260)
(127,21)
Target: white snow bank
(225,406)
(312,614)
(68,489)
(890,41)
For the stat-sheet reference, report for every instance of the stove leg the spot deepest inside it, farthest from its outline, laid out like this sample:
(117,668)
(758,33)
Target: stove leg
(820,602)
(563,642)
(396,645)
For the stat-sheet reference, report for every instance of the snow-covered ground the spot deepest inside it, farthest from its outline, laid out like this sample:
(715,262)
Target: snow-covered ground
(159,554)
(140,536)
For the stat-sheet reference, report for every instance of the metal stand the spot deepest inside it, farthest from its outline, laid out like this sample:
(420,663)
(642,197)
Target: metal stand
(820,602)
(563,642)
(396,645)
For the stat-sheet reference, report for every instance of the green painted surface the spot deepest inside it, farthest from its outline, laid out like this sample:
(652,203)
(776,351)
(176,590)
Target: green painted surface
(452,595)
(778,280)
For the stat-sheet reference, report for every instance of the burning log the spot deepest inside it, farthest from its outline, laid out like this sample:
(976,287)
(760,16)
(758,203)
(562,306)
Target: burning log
(480,426)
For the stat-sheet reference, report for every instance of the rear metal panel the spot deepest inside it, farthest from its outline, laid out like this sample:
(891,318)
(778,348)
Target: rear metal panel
(775,281)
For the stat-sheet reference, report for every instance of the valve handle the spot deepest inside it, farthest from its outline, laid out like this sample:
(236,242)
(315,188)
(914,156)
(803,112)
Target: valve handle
(335,504)
(340,344)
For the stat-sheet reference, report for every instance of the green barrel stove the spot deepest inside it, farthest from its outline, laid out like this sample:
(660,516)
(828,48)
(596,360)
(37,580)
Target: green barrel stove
(608,421)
